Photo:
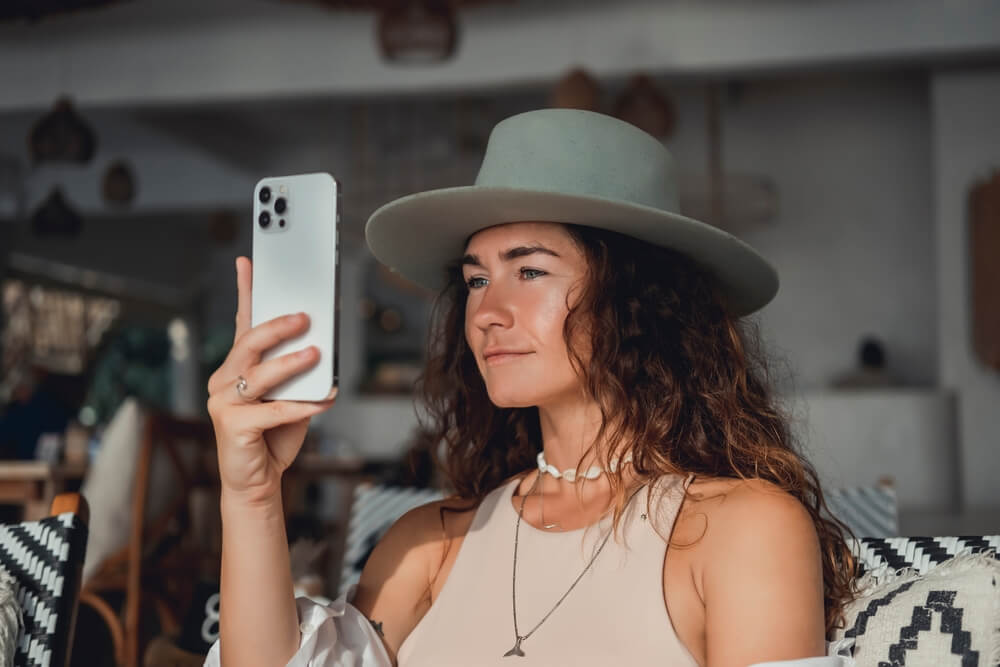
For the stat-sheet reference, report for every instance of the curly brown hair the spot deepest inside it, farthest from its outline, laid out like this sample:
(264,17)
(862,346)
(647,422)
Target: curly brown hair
(684,379)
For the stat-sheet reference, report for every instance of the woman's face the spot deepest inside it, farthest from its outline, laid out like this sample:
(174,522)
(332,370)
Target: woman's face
(522,278)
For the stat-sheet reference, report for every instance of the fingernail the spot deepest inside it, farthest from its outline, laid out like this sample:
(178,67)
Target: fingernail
(333,393)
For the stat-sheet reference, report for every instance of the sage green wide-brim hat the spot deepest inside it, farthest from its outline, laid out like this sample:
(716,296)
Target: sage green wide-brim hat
(569,166)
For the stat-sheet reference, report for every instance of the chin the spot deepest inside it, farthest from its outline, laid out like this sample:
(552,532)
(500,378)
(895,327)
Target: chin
(512,400)
(521,395)
(514,394)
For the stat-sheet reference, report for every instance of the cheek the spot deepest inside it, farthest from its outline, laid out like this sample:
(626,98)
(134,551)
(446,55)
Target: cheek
(548,318)
(472,332)
(580,342)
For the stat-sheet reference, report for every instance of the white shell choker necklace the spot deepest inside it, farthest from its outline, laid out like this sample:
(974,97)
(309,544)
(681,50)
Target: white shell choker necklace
(571,475)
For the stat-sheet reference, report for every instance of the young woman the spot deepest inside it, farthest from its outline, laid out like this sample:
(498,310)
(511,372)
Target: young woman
(625,490)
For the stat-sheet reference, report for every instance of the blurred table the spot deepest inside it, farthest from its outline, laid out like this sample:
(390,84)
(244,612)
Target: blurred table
(33,484)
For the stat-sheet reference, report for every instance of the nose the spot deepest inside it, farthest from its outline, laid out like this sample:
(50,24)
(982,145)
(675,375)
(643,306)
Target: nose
(492,308)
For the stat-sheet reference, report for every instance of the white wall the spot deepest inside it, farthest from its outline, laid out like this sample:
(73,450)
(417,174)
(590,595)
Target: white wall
(149,52)
(965,107)
(853,240)
(858,438)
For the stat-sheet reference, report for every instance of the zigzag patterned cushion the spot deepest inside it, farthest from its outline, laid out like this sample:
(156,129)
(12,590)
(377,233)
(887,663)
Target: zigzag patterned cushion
(44,557)
(942,609)
(920,553)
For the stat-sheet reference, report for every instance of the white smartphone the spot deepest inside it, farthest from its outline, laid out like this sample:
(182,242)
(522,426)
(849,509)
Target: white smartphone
(296,266)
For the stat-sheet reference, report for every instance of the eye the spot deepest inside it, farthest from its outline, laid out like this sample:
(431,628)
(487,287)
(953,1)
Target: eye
(527,274)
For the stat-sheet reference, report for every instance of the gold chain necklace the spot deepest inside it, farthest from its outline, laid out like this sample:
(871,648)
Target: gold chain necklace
(518,637)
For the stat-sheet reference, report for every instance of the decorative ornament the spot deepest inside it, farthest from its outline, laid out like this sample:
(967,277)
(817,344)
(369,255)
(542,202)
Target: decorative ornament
(55,217)
(61,136)
(647,108)
(984,244)
(418,31)
(576,90)
(118,183)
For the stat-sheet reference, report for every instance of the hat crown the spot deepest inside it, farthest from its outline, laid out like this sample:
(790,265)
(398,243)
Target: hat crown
(576,152)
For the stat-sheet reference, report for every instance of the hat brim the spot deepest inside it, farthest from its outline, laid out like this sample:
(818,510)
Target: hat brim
(418,235)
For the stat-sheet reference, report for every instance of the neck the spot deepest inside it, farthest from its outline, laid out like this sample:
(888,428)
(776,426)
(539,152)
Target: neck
(569,430)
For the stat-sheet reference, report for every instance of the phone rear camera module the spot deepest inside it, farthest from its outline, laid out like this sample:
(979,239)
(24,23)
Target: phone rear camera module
(264,195)
(280,205)
(264,219)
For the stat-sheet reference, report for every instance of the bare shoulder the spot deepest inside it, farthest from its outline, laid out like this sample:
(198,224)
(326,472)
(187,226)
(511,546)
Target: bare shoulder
(395,589)
(762,507)
(754,560)
(724,516)
(735,499)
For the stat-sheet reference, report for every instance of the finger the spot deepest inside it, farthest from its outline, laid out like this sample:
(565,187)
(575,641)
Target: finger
(248,350)
(269,374)
(244,283)
(261,417)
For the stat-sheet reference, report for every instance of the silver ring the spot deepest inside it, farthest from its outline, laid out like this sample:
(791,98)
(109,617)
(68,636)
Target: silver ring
(241,386)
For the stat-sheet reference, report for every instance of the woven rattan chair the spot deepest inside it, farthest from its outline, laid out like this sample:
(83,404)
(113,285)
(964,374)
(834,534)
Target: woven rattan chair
(45,557)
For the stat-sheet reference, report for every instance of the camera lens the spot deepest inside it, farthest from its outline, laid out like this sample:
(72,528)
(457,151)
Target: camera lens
(264,195)
(279,205)
(264,219)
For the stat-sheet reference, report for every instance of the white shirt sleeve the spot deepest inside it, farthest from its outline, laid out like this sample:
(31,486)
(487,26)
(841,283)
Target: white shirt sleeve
(334,635)
(831,659)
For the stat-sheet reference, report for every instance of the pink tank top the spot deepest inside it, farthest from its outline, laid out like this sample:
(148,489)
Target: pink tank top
(615,615)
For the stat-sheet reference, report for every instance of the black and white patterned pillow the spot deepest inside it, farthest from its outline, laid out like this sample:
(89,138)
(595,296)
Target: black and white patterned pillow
(949,614)
(920,553)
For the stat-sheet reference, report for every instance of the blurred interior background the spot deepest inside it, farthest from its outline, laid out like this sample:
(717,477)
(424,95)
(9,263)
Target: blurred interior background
(853,143)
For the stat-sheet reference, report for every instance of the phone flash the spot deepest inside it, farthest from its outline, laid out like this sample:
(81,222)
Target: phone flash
(283,190)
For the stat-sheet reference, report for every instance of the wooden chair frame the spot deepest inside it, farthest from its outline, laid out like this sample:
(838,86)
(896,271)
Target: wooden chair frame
(127,569)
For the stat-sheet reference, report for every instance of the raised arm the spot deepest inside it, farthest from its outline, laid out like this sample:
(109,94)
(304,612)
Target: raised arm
(258,622)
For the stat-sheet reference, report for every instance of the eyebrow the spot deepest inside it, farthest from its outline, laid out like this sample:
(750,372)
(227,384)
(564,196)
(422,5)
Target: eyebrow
(513,253)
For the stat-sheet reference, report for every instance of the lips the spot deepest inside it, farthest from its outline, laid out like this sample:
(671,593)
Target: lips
(498,351)
(496,356)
